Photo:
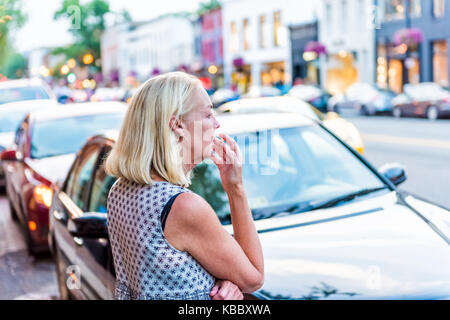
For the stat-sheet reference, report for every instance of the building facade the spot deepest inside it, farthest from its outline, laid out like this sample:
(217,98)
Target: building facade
(256,45)
(347,30)
(426,61)
(141,50)
(212,46)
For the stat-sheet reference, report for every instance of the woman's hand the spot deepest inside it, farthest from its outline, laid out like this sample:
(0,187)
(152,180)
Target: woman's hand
(226,290)
(229,162)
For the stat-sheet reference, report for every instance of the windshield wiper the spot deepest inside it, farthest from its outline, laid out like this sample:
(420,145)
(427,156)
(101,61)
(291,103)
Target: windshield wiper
(314,205)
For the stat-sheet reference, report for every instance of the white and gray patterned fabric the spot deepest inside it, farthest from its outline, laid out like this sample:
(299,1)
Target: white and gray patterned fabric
(147,266)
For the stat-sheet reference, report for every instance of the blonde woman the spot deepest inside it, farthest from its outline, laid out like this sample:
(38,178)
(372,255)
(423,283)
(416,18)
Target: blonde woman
(167,241)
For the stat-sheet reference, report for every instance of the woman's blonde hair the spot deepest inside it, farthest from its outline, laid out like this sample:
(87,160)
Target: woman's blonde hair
(146,142)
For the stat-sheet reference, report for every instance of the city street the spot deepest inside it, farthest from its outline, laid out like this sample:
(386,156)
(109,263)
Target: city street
(423,147)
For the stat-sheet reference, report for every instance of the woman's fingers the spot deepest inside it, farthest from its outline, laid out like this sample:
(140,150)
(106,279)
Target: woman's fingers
(232,143)
(224,151)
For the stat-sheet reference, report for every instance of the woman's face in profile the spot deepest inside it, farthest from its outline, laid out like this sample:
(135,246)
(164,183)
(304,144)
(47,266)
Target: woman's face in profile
(200,126)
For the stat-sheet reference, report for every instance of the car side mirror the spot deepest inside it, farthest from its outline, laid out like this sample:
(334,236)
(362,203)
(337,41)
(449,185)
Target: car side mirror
(90,225)
(395,172)
(9,155)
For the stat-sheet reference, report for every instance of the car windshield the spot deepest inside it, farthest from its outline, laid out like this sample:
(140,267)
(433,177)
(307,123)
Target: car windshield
(71,133)
(287,169)
(10,120)
(8,95)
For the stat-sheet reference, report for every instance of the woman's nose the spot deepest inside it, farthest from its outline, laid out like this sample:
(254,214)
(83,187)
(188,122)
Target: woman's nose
(216,124)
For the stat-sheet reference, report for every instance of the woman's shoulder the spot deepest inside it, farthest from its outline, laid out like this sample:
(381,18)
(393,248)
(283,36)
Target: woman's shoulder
(189,206)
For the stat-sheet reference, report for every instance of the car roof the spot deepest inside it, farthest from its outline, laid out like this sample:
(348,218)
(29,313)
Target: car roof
(78,109)
(28,105)
(269,104)
(21,83)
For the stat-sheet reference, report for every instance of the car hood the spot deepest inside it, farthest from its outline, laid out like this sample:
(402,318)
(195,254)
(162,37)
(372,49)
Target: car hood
(379,248)
(6,139)
(53,169)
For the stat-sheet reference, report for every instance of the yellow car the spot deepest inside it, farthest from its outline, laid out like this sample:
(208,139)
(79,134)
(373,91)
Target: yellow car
(342,128)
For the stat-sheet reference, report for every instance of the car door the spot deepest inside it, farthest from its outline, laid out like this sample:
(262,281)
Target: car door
(73,200)
(15,170)
(97,264)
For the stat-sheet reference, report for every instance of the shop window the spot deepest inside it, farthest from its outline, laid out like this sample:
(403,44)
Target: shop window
(440,63)
(395,74)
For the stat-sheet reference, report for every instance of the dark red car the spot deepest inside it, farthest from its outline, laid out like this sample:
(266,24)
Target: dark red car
(45,146)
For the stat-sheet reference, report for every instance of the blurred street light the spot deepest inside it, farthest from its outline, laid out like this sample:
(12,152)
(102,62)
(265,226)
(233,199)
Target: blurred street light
(212,69)
(71,78)
(44,71)
(64,70)
(71,63)
(88,58)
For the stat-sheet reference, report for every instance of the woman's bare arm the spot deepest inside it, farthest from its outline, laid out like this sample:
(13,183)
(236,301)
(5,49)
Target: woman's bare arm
(193,226)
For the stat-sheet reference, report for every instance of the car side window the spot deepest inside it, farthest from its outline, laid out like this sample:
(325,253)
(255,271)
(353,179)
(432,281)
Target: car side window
(100,187)
(78,188)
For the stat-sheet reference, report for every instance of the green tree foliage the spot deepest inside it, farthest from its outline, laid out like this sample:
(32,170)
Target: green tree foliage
(87,22)
(15,66)
(11,18)
(207,6)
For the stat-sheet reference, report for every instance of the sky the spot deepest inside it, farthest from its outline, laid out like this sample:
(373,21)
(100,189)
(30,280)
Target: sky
(42,31)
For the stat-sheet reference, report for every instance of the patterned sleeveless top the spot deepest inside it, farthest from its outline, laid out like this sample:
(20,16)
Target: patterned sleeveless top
(147,266)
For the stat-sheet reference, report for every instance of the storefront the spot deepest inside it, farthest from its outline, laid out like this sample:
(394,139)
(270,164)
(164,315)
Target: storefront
(305,65)
(341,71)
(428,61)
(397,65)
(241,77)
(273,74)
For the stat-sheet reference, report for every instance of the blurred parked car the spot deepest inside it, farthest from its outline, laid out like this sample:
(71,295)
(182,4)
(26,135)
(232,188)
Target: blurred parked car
(73,96)
(311,94)
(11,115)
(363,98)
(425,99)
(262,91)
(108,94)
(341,127)
(24,89)
(331,226)
(223,95)
(46,143)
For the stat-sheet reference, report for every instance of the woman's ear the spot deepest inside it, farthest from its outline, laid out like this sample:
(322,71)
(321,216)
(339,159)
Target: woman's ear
(177,126)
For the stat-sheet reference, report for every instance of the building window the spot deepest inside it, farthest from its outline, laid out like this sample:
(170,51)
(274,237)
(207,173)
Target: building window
(438,8)
(415,8)
(276,28)
(344,13)
(440,63)
(234,39)
(246,35)
(394,9)
(328,17)
(262,31)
